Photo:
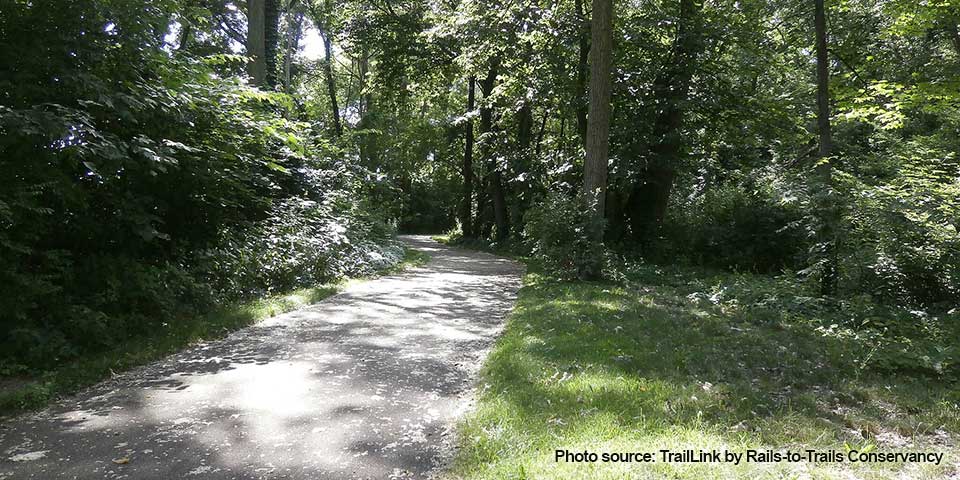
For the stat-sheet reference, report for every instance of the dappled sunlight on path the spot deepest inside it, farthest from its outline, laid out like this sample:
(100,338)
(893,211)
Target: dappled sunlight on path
(363,385)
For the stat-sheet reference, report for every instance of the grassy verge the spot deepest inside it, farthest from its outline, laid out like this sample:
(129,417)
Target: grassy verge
(674,360)
(17,395)
(411,258)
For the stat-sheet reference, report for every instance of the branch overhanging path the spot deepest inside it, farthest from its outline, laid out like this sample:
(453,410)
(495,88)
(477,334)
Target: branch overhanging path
(366,384)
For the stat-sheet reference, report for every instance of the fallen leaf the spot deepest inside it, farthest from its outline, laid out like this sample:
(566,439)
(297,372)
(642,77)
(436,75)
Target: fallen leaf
(121,461)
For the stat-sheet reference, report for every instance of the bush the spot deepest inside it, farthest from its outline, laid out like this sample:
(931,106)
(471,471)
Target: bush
(301,243)
(558,231)
(901,242)
(144,186)
(737,226)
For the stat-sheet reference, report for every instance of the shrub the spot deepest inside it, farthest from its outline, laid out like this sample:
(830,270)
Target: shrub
(558,231)
(301,243)
(901,242)
(737,226)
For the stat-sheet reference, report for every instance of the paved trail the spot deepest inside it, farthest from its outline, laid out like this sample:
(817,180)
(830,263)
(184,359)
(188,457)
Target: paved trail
(363,385)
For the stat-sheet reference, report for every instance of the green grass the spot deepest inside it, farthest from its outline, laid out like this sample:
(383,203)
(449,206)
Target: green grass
(662,361)
(19,395)
(411,258)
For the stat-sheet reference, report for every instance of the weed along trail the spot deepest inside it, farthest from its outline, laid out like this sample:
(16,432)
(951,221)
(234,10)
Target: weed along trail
(366,384)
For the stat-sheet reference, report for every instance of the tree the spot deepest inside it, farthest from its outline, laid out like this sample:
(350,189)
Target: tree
(322,17)
(263,22)
(256,46)
(823,89)
(294,32)
(466,203)
(650,195)
(331,83)
(598,119)
(494,175)
(583,51)
(271,40)
(824,173)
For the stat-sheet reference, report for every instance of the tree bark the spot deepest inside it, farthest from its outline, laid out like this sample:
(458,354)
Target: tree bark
(543,127)
(368,154)
(271,37)
(823,79)
(524,127)
(823,169)
(363,68)
(519,198)
(257,68)
(560,138)
(583,41)
(598,120)
(650,197)
(331,84)
(295,30)
(466,203)
(494,176)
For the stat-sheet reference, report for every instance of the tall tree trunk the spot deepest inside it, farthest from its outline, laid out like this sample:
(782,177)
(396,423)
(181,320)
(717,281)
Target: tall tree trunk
(598,121)
(271,37)
(583,41)
(363,67)
(368,155)
(543,127)
(494,176)
(824,173)
(823,84)
(257,68)
(524,127)
(520,193)
(466,203)
(598,126)
(331,83)
(650,197)
(294,32)
(560,139)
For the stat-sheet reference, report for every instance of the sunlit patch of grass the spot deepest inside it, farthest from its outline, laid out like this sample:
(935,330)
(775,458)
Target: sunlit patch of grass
(411,258)
(637,367)
(82,372)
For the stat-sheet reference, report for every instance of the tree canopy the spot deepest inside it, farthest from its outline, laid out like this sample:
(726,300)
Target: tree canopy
(164,156)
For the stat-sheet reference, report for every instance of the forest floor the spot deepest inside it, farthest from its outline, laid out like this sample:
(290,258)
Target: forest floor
(677,359)
(366,384)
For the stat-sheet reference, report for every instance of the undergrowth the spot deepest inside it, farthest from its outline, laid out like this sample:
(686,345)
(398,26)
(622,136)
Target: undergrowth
(685,358)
